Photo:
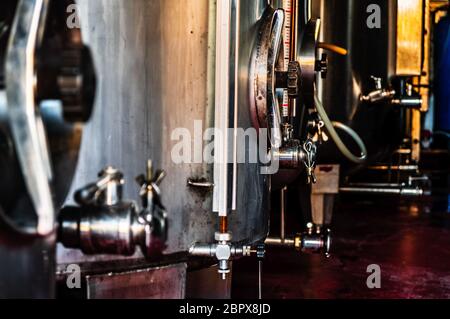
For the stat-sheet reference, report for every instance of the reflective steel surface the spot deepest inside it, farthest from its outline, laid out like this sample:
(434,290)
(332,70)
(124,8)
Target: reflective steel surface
(345,24)
(154,60)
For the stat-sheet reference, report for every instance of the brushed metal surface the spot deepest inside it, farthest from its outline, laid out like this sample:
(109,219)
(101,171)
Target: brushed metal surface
(155,74)
(251,216)
(205,284)
(427,61)
(409,37)
(152,283)
(370,52)
(28,270)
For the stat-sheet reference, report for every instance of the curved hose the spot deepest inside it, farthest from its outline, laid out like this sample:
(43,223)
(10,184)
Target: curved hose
(333,48)
(334,135)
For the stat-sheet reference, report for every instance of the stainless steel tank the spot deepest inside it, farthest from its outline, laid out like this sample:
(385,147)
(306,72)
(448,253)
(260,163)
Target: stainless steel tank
(370,53)
(155,66)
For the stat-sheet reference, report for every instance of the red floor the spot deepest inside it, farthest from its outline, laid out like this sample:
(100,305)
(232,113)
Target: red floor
(410,243)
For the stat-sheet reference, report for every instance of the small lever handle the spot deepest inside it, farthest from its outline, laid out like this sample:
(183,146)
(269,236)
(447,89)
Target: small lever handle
(89,194)
(378,82)
(86,195)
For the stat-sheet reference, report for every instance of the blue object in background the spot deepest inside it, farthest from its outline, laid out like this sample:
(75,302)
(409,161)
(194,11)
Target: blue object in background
(442,79)
(448,203)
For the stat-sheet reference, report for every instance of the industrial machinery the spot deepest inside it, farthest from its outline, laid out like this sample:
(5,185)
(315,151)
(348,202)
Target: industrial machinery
(100,223)
(224,96)
(386,100)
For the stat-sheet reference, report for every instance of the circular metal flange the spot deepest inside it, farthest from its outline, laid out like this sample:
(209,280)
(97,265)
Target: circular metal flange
(264,108)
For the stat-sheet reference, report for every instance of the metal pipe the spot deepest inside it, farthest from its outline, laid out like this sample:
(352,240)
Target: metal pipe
(410,102)
(282,213)
(278,242)
(223,224)
(395,167)
(260,279)
(210,250)
(202,250)
(389,191)
(290,157)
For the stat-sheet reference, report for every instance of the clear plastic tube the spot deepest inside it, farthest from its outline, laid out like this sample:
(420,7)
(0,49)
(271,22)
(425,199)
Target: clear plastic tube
(336,138)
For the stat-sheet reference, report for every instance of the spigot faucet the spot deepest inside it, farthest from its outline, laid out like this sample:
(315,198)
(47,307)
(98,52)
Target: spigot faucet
(223,250)
(104,223)
(379,94)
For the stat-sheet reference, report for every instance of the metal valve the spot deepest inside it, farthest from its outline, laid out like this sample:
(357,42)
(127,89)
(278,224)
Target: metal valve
(223,251)
(153,213)
(316,129)
(379,94)
(378,82)
(104,223)
(312,241)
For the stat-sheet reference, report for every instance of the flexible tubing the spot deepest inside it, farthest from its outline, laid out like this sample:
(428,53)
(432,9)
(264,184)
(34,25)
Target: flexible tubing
(336,138)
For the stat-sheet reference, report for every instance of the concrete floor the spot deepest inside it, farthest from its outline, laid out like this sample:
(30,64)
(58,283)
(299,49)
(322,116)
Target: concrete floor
(409,241)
